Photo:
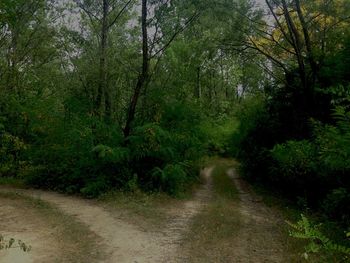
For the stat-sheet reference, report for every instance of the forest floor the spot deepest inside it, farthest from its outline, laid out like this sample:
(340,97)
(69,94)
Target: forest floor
(224,221)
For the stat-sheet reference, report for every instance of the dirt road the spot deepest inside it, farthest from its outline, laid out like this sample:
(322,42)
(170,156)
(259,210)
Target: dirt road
(121,241)
(259,238)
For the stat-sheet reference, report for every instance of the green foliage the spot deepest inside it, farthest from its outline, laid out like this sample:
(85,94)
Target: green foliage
(256,134)
(297,140)
(171,178)
(318,243)
(164,153)
(114,155)
(334,142)
(95,188)
(56,87)
(294,164)
(317,168)
(219,134)
(337,205)
(11,148)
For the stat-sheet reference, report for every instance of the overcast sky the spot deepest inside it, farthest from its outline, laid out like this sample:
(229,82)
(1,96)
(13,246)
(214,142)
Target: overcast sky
(72,18)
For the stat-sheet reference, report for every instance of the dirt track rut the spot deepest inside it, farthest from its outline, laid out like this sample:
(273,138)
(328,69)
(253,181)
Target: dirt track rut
(122,241)
(258,239)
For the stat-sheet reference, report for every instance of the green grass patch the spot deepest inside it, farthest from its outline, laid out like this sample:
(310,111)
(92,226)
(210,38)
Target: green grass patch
(11,181)
(223,185)
(213,231)
(145,209)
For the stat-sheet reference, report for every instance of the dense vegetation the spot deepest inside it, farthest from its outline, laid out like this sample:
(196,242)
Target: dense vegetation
(96,95)
(294,135)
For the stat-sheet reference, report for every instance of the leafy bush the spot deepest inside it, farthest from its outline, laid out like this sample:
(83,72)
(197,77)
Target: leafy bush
(11,148)
(294,159)
(337,205)
(308,159)
(294,167)
(164,153)
(171,179)
(334,143)
(325,249)
(256,135)
(95,188)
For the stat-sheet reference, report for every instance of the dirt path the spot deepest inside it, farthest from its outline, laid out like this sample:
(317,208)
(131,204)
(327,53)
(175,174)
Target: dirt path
(256,240)
(21,223)
(259,238)
(121,241)
(180,221)
(44,228)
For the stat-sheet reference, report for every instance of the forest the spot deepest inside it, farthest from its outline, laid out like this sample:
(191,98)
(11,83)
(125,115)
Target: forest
(134,96)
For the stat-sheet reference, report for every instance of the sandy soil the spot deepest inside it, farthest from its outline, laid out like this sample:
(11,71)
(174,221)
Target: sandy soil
(121,241)
(181,217)
(23,223)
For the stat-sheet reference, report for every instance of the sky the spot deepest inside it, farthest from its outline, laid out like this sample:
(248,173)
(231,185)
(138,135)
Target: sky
(72,19)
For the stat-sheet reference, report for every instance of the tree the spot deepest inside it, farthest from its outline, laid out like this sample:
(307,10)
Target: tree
(105,19)
(150,51)
(26,42)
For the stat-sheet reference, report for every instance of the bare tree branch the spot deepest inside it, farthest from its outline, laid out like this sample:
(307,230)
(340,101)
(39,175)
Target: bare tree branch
(87,11)
(180,30)
(119,14)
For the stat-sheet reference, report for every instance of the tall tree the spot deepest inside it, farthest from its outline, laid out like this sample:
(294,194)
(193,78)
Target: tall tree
(143,78)
(105,19)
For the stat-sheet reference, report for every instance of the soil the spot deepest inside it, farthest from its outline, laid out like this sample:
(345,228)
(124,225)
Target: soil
(122,241)
(259,238)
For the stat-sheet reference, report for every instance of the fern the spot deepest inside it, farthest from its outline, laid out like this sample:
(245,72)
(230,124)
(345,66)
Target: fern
(318,242)
(114,155)
(171,178)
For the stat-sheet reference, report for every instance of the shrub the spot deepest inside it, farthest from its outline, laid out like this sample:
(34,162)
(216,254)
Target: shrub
(337,205)
(11,148)
(294,166)
(255,136)
(325,249)
(171,179)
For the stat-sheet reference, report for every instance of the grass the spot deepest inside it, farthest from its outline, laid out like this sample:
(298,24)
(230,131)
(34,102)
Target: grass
(213,231)
(10,181)
(76,242)
(148,210)
(222,184)
(211,234)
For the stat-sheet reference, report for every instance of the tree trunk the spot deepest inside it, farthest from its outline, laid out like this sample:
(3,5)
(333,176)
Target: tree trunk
(198,88)
(310,56)
(102,92)
(144,75)
(12,77)
(294,34)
